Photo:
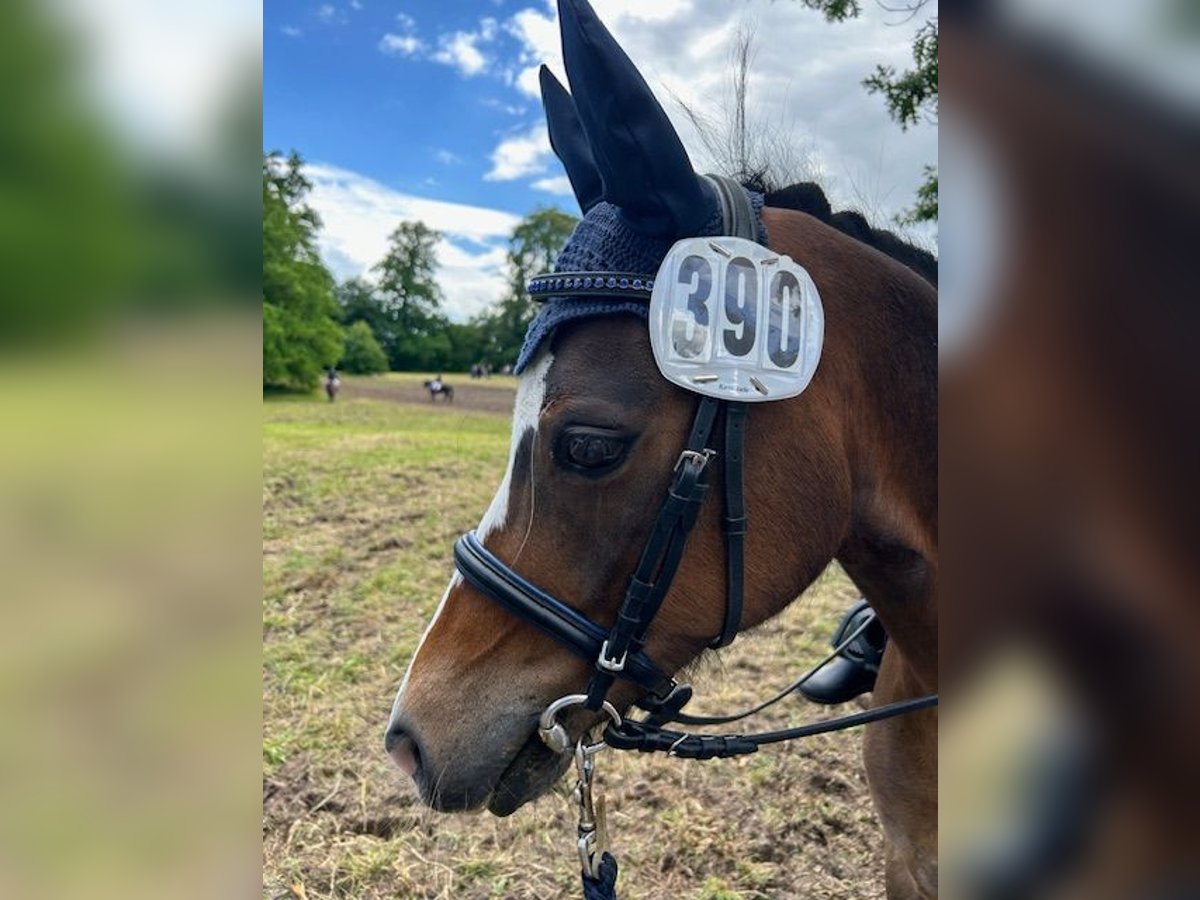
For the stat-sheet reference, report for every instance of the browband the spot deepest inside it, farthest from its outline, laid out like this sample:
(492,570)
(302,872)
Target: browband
(626,285)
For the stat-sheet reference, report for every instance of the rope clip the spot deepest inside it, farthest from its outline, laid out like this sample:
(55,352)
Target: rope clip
(592,833)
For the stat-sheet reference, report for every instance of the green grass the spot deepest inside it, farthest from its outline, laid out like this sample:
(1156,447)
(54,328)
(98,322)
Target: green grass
(362,500)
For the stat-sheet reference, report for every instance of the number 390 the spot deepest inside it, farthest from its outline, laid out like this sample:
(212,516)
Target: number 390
(741,310)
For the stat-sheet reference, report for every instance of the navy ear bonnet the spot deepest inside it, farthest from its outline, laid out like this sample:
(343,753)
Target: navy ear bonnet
(628,170)
(603,241)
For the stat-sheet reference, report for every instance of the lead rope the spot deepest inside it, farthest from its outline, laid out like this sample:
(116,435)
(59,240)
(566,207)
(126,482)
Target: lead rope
(598,867)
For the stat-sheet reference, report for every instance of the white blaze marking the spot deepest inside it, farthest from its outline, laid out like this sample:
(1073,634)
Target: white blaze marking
(531,395)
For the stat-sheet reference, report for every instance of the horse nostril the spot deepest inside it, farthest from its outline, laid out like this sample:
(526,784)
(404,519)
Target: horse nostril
(403,748)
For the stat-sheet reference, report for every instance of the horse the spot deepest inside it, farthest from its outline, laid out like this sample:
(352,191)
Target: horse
(845,470)
(333,384)
(437,388)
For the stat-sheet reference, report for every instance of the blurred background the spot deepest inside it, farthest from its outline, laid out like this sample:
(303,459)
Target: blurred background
(130,341)
(1069,430)
(129,452)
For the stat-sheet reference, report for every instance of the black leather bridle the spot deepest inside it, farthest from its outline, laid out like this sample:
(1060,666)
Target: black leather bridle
(619,651)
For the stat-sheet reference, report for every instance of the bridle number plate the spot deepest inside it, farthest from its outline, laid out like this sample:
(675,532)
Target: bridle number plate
(730,318)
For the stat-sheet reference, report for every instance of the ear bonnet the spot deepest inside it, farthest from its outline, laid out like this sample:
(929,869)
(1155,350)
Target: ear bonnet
(631,175)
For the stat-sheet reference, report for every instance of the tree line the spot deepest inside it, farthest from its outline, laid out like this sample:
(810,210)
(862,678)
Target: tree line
(392,318)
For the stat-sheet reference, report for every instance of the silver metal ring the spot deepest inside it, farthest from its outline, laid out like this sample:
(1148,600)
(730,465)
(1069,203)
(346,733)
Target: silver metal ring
(547,721)
(554,733)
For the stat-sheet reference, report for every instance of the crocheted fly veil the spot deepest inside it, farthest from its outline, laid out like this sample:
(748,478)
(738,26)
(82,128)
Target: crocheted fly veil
(628,170)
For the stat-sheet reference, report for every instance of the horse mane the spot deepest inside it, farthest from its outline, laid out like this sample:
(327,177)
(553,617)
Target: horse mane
(807,197)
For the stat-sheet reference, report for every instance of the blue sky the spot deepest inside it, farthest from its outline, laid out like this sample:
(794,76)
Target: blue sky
(352,86)
(428,109)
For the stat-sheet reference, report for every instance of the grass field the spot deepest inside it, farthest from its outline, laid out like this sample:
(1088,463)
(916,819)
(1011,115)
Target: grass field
(362,500)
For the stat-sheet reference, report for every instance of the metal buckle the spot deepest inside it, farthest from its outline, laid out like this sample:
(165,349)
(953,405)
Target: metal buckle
(699,457)
(608,664)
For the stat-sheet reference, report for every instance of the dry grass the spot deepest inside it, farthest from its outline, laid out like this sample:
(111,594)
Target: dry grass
(362,500)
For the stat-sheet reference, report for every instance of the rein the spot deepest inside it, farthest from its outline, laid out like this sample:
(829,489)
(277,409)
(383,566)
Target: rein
(618,651)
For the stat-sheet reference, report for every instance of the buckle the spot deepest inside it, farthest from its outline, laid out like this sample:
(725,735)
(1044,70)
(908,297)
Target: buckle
(610,665)
(699,457)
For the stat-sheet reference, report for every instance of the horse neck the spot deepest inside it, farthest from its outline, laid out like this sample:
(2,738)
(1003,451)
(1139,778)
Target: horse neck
(868,423)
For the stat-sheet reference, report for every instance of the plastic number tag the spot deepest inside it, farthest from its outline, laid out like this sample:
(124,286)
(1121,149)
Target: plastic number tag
(731,319)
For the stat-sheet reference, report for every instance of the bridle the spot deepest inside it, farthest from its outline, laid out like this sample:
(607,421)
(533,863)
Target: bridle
(618,652)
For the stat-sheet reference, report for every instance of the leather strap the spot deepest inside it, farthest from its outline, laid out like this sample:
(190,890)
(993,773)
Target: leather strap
(650,738)
(738,220)
(660,558)
(583,637)
(734,522)
(612,285)
(737,212)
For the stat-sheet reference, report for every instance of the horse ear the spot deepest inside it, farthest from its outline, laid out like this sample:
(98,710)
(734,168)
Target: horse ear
(569,142)
(644,168)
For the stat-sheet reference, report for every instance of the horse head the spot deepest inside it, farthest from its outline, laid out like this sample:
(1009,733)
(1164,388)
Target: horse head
(596,436)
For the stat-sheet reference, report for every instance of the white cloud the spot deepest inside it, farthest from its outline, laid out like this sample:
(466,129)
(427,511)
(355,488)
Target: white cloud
(359,213)
(291,31)
(406,42)
(640,11)
(511,109)
(331,15)
(460,51)
(558,184)
(355,4)
(805,87)
(537,33)
(521,155)
(527,82)
(446,157)
(401,44)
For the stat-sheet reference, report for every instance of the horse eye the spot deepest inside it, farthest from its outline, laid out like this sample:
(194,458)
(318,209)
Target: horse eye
(588,450)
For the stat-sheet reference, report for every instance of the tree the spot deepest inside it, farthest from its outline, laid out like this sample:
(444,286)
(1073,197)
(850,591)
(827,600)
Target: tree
(359,302)
(300,336)
(467,345)
(910,95)
(363,355)
(532,249)
(412,327)
(70,239)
